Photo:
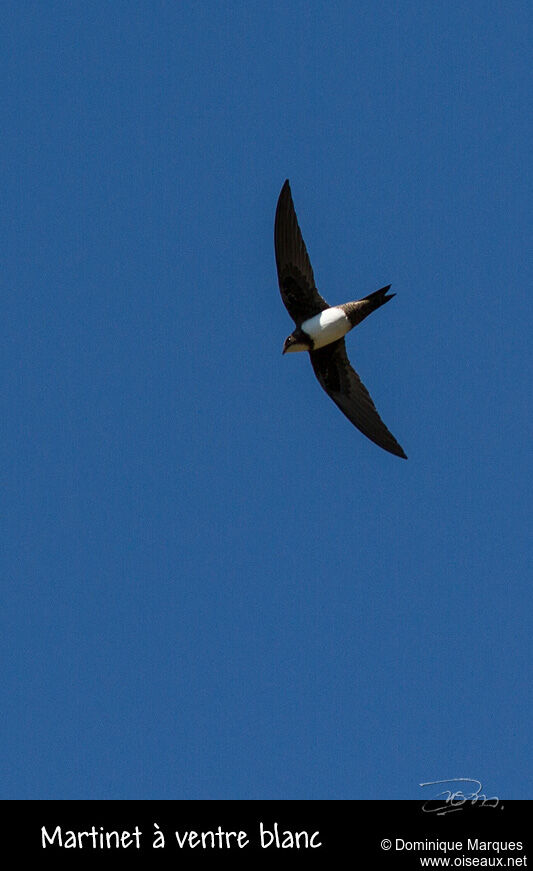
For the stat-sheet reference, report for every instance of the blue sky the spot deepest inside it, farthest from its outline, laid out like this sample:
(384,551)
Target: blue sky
(214,586)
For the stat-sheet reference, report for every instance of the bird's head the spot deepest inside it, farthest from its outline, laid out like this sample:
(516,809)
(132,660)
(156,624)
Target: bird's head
(297,341)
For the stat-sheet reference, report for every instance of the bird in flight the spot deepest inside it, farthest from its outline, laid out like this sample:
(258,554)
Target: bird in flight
(320,328)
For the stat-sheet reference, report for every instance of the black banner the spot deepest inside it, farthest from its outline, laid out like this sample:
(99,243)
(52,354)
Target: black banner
(373,834)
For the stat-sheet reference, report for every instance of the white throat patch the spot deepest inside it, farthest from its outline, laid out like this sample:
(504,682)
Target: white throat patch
(327,327)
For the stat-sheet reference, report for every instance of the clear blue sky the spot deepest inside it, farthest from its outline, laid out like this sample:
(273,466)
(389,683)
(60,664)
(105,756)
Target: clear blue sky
(214,586)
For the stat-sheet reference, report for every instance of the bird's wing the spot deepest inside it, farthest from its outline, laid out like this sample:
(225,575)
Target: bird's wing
(342,383)
(295,274)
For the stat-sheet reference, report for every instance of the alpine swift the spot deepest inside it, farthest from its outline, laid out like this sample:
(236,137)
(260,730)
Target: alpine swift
(320,328)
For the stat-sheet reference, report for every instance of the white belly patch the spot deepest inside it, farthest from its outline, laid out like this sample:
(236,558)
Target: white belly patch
(327,327)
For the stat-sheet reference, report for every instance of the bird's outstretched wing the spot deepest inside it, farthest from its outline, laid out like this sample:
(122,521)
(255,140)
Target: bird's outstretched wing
(295,274)
(342,383)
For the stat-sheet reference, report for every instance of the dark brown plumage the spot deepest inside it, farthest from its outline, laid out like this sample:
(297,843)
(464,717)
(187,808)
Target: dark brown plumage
(295,273)
(303,301)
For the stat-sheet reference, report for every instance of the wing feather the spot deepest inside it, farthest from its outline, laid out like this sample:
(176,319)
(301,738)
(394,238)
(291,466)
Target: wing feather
(342,383)
(295,273)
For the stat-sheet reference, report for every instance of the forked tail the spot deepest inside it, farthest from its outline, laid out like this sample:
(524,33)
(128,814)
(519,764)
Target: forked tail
(358,311)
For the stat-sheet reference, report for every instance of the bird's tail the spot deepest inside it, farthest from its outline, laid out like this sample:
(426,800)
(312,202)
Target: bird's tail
(358,311)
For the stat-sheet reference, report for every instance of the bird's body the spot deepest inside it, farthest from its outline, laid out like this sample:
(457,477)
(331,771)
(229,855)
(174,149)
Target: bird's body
(320,328)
